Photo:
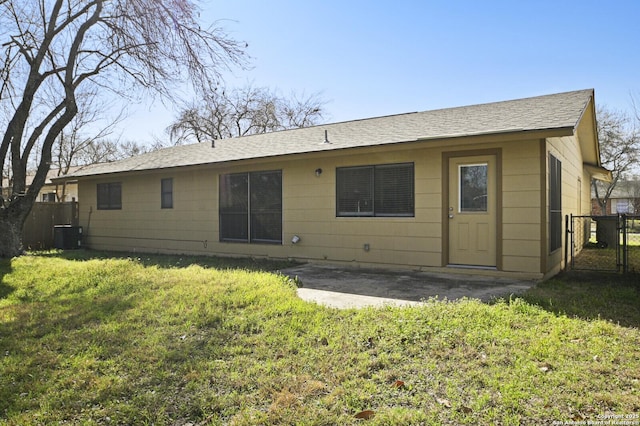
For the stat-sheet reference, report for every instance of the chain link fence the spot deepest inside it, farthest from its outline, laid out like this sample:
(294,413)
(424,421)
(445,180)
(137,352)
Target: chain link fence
(631,243)
(604,243)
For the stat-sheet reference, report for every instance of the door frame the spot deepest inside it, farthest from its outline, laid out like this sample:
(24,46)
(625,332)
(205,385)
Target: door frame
(446,156)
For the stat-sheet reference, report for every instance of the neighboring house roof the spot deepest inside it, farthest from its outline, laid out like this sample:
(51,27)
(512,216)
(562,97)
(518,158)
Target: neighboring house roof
(52,179)
(51,174)
(559,113)
(54,173)
(624,189)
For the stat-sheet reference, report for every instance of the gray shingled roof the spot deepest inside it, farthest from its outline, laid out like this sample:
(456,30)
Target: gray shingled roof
(560,112)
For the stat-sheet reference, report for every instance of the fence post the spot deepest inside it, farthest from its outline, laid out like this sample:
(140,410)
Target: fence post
(74,213)
(566,242)
(625,246)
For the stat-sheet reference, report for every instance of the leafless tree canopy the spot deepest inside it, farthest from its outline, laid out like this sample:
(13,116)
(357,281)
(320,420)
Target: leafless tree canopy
(51,49)
(83,132)
(223,114)
(619,139)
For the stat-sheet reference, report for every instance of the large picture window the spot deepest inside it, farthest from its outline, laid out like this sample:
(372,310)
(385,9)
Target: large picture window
(109,196)
(251,207)
(555,203)
(379,190)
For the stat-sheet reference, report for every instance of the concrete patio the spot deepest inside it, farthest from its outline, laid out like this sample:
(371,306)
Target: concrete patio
(343,287)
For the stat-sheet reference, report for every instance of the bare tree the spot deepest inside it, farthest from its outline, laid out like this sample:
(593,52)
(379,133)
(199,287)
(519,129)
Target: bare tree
(89,129)
(108,150)
(51,49)
(619,144)
(222,114)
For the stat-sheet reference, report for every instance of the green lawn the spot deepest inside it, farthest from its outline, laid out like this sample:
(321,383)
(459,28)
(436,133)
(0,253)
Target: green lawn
(171,341)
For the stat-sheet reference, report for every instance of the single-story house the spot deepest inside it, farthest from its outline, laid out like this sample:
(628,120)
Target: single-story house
(624,199)
(60,191)
(484,187)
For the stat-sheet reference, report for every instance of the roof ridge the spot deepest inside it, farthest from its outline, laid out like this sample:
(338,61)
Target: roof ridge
(482,104)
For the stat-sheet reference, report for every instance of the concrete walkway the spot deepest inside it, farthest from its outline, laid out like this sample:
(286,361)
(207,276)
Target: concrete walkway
(343,287)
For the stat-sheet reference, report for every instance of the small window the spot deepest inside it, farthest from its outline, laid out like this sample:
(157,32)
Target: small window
(380,190)
(555,203)
(473,188)
(622,206)
(166,193)
(49,197)
(109,196)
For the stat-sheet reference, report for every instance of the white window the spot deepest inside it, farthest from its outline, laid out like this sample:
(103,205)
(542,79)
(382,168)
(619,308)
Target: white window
(621,206)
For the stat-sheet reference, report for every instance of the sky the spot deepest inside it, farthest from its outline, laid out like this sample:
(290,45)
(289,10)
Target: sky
(376,58)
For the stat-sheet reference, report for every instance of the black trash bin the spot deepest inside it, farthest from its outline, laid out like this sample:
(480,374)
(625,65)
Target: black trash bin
(67,237)
(606,231)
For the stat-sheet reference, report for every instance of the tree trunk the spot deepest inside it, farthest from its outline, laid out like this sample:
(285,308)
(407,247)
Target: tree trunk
(12,221)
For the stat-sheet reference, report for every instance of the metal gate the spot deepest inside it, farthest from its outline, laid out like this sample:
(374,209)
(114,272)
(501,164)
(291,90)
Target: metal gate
(603,243)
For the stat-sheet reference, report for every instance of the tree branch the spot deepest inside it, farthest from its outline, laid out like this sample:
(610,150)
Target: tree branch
(54,48)
(37,132)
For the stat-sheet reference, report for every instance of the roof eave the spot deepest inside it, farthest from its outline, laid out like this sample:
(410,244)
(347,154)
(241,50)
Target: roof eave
(502,133)
(520,133)
(598,172)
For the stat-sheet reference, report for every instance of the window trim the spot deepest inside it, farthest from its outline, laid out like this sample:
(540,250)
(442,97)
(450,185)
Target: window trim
(48,197)
(109,186)
(166,192)
(373,190)
(462,206)
(555,203)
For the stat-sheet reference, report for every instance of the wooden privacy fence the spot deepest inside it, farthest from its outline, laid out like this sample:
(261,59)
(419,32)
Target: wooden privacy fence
(38,229)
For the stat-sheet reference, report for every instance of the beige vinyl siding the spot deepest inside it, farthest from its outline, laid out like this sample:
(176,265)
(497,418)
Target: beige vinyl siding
(567,150)
(521,206)
(141,224)
(585,205)
(308,211)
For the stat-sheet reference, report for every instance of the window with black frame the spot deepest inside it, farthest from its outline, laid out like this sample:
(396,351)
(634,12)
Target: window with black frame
(166,193)
(109,196)
(555,203)
(376,190)
(251,207)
